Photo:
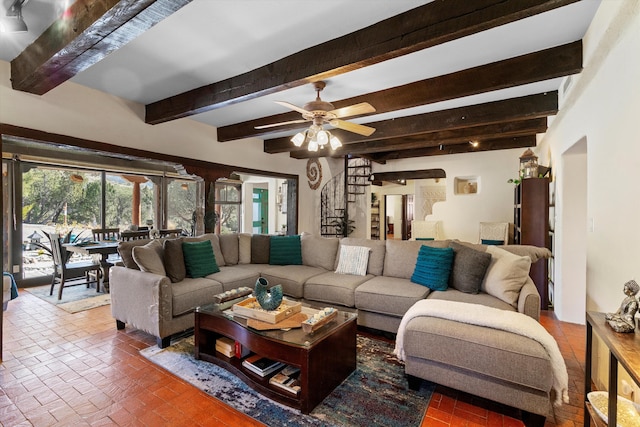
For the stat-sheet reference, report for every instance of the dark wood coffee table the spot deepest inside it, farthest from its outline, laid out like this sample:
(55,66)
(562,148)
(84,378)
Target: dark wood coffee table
(325,357)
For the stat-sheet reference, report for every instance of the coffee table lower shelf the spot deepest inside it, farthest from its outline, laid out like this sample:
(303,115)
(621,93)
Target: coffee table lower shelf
(323,365)
(256,382)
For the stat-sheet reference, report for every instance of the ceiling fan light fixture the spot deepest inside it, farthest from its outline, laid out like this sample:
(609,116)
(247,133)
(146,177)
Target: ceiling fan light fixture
(323,138)
(313,145)
(335,142)
(298,139)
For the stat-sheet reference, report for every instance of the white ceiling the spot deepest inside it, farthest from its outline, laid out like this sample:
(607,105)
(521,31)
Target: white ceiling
(210,40)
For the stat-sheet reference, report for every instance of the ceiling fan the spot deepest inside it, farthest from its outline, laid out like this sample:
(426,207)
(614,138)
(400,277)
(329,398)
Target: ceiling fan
(320,112)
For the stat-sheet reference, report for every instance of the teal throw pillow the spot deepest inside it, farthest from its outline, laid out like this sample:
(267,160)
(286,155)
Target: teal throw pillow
(433,267)
(285,250)
(199,259)
(492,242)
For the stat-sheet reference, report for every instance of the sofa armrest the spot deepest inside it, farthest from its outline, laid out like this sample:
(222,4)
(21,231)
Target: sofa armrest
(140,299)
(529,300)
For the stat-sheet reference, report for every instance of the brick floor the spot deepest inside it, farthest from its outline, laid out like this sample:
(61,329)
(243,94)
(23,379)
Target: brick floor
(62,369)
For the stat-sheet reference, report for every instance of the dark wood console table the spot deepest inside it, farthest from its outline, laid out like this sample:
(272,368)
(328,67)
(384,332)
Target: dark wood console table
(623,349)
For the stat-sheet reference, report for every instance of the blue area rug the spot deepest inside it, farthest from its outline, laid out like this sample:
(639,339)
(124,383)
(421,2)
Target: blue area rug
(375,394)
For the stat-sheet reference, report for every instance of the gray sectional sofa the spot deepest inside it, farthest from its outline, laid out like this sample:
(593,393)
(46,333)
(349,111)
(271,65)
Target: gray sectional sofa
(498,365)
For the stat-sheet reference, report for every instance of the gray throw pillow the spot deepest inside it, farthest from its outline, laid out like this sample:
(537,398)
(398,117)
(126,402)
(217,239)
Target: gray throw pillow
(260,248)
(469,268)
(174,260)
(149,257)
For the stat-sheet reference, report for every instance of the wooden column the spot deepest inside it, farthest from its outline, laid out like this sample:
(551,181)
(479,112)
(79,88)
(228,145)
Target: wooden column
(135,198)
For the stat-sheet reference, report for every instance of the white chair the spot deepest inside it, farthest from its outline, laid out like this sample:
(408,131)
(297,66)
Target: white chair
(496,233)
(426,230)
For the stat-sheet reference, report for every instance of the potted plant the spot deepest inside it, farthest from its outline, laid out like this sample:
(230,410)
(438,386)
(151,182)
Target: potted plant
(343,227)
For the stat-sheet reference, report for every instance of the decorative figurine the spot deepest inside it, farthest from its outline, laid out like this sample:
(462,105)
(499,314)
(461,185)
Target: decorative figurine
(269,299)
(623,320)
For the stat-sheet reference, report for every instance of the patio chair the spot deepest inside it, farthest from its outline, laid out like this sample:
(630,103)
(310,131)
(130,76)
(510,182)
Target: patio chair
(104,234)
(170,233)
(134,235)
(78,272)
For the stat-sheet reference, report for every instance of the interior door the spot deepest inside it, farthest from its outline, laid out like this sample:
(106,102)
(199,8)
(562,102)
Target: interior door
(407,215)
(260,211)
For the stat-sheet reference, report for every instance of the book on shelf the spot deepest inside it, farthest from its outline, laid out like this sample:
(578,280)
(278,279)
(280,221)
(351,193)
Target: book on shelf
(287,379)
(261,365)
(240,350)
(231,348)
(226,346)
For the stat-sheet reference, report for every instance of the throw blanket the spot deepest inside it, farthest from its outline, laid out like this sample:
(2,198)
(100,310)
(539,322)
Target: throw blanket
(490,317)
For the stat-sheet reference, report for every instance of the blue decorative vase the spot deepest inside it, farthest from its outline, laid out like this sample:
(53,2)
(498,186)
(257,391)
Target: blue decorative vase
(269,299)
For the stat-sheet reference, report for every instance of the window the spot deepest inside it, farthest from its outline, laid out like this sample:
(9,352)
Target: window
(181,205)
(228,204)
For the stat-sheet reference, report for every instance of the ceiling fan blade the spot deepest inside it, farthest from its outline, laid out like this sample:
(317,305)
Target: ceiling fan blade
(292,107)
(352,127)
(354,110)
(280,124)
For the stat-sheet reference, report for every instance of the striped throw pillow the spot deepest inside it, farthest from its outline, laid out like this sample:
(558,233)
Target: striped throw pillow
(353,260)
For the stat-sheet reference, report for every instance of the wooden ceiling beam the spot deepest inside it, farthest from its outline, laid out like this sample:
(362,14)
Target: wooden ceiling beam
(514,109)
(425,26)
(533,67)
(406,175)
(495,144)
(87,32)
(434,139)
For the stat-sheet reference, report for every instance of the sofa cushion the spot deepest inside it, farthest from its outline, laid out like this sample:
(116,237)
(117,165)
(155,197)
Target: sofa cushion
(199,259)
(433,267)
(334,288)
(149,257)
(235,276)
(469,268)
(285,250)
(260,248)
(401,255)
(353,260)
(481,351)
(480,298)
(376,256)
(319,251)
(191,293)
(229,246)
(506,275)
(291,277)
(174,259)
(125,251)
(533,252)
(389,295)
(244,248)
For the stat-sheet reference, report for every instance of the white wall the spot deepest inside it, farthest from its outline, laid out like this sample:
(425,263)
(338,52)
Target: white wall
(601,107)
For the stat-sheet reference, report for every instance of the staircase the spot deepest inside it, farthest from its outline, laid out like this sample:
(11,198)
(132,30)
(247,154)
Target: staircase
(341,191)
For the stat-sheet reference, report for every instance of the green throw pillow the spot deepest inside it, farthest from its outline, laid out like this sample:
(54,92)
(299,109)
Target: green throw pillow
(492,242)
(285,250)
(199,259)
(433,267)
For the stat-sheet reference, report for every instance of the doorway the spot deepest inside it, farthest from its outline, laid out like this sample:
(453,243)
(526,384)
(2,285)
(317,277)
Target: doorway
(260,211)
(399,212)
